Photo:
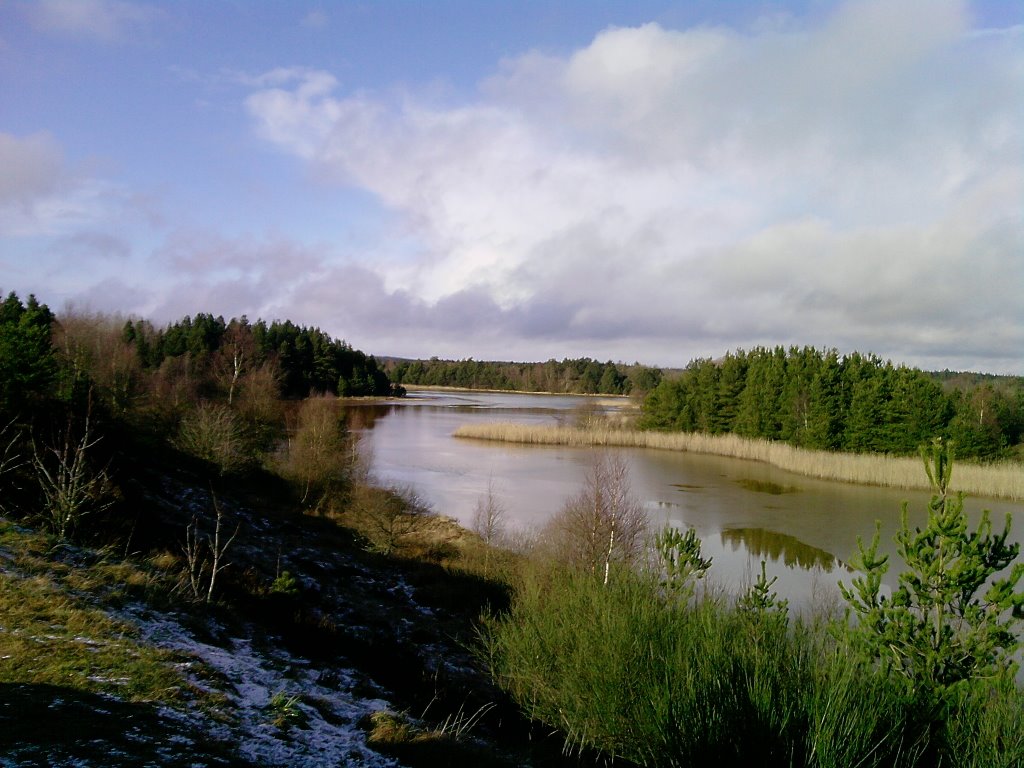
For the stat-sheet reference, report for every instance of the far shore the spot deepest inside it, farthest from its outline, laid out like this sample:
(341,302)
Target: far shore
(431,387)
(1002,481)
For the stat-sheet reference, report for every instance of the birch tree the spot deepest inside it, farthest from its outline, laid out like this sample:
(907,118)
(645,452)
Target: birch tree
(604,524)
(71,486)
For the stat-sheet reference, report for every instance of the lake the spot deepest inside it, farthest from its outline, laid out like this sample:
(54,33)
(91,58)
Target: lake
(744,512)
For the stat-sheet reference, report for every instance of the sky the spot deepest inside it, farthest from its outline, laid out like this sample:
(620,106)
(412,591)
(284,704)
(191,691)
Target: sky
(644,181)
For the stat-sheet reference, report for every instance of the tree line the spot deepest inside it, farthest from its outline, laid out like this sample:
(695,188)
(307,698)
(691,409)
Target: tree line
(570,376)
(306,359)
(80,392)
(820,399)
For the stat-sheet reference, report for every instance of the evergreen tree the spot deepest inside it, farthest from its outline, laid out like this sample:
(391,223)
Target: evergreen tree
(974,428)
(952,619)
(919,410)
(27,362)
(731,381)
(759,402)
(795,402)
(869,411)
(664,406)
(703,378)
(826,416)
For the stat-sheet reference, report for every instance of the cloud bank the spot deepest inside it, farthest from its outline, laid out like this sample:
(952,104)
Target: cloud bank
(857,185)
(657,194)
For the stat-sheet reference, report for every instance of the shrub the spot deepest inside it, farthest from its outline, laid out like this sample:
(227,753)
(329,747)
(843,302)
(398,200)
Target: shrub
(318,453)
(388,516)
(616,667)
(213,433)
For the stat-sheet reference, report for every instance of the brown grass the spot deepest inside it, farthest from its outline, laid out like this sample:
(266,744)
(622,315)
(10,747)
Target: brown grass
(1004,480)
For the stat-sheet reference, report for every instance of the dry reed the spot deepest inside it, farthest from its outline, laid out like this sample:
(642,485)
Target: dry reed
(1004,480)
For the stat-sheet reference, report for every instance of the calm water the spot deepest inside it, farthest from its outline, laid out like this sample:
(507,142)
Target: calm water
(743,511)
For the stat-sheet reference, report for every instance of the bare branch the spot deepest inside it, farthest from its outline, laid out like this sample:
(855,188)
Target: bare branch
(71,488)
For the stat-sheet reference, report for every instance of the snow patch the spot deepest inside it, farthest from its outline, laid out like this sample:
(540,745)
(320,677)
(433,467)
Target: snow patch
(326,733)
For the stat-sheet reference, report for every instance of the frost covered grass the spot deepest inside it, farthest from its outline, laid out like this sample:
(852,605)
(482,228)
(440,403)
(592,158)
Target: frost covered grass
(51,635)
(1003,480)
(279,709)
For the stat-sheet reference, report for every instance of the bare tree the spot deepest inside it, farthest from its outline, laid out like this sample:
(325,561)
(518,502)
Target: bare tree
(94,349)
(10,459)
(489,522)
(70,486)
(213,433)
(174,384)
(236,355)
(259,399)
(205,559)
(489,517)
(604,523)
(218,549)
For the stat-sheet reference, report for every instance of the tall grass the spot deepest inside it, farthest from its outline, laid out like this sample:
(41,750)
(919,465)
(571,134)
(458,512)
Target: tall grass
(617,668)
(1005,480)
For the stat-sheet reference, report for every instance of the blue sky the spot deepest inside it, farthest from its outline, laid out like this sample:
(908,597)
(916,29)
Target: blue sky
(646,181)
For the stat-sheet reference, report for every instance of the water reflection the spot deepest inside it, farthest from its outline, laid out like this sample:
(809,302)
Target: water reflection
(743,511)
(764,544)
(766,486)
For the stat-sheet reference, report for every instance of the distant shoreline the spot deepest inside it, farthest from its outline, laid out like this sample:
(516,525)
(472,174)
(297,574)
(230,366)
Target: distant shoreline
(440,388)
(998,481)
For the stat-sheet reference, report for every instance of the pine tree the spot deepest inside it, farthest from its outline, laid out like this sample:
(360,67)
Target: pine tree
(27,362)
(951,620)
(827,413)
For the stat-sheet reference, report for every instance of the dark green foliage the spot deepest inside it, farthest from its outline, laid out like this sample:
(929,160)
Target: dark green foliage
(953,618)
(818,399)
(28,365)
(680,562)
(975,427)
(759,413)
(666,408)
(583,376)
(661,682)
(827,407)
(308,359)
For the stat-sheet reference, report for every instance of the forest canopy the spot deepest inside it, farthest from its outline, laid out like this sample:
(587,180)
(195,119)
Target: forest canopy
(308,359)
(821,399)
(576,376)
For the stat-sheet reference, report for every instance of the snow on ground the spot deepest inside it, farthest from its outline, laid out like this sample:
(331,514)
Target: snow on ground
(324,728)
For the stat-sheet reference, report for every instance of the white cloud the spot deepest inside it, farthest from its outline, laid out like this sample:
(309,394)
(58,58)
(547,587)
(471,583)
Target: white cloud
(857,183)
(105,21)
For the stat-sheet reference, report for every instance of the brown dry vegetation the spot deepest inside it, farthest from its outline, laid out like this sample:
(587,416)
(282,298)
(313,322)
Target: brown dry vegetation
(1003,480)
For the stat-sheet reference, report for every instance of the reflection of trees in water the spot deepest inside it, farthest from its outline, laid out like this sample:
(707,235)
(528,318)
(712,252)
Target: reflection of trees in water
(365,416)
(765,544)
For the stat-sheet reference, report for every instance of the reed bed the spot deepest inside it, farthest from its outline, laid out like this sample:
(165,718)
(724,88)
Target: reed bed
(1004,480)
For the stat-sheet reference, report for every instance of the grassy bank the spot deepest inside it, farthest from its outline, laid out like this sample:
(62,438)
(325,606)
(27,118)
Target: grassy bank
(1004,480)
